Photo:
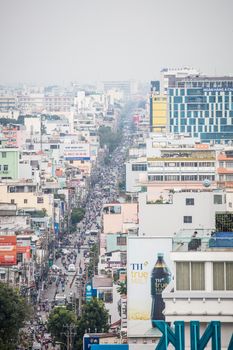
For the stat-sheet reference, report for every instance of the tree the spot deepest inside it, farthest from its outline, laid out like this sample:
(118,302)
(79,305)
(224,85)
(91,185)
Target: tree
(109,138)
(94,318)
(94,259)
(58,321)
(14,311)
(77,215)
(122,288)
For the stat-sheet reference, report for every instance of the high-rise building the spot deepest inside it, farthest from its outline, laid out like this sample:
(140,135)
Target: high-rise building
(158,104)
(168,74)
(202,106)
(158,113)
(7,103)
(124,86)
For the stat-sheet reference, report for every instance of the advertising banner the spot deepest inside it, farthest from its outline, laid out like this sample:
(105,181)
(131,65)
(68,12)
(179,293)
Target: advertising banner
(88,292)
(77,151)
(149,271)
(7,250)
(24,250)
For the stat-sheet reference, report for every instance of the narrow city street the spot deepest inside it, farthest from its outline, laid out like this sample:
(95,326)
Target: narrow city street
(68,275)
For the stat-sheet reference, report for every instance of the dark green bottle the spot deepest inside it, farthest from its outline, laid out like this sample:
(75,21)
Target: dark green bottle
(160,277)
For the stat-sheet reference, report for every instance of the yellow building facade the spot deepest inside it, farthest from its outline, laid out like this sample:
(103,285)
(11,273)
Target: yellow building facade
(27,200)
(158,113)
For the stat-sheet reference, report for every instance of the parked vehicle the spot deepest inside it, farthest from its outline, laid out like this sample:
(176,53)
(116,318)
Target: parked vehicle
(60,300)
(71,268)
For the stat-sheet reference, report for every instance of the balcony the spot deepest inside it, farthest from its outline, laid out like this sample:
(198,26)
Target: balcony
(202,240)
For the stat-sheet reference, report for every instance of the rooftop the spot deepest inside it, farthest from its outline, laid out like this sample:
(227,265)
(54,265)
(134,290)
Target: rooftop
(202,240)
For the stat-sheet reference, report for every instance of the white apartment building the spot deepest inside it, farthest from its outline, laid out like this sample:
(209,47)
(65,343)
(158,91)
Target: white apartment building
(169,73)
(171,159)
(203,284)
(165,212)
(136,172)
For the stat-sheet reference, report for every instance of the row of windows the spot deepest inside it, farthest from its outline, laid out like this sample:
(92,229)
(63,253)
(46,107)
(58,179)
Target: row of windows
(210,114)
(139,167)
(191,276)
(180,178)
(207,132)
(182,164)
(202,99)
(40,200)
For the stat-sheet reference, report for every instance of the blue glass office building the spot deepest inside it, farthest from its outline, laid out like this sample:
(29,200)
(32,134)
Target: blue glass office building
(202,106)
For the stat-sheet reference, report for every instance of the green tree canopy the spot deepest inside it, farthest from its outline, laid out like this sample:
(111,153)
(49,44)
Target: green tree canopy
(77,215)
(59,319)
(109,138)
(122,288)
(94,317)
(14,311)
(94,259)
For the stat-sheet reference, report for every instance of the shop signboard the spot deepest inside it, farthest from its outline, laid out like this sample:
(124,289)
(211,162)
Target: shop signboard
(8,251)
(77,151)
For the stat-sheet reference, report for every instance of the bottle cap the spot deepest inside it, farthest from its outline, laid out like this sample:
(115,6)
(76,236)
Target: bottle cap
(160,255)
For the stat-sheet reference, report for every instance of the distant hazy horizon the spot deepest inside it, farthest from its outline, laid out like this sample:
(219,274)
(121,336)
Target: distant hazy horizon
(59,41)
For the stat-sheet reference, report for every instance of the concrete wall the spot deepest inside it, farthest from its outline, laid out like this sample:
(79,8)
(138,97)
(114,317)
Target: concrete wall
(166,219)
(20,197)
(113,223)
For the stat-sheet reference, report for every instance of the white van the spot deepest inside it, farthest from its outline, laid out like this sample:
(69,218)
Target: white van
(60,300)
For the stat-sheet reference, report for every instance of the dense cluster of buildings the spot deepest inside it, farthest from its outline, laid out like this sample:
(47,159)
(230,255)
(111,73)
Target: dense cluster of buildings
(46,160)
(179,195)
(176,209)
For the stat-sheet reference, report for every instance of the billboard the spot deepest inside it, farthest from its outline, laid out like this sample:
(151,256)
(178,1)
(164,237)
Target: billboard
(77,151)
(8,250)
(149,271)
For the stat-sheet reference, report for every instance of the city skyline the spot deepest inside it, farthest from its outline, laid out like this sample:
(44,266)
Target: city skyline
(57,42)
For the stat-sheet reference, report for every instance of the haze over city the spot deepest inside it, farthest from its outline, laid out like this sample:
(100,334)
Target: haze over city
(116,174)
(58,41)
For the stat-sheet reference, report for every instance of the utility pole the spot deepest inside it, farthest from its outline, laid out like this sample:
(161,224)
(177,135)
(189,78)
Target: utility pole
(70,333)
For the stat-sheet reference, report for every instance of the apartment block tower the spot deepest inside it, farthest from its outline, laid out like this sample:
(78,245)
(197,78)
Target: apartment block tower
(201,106)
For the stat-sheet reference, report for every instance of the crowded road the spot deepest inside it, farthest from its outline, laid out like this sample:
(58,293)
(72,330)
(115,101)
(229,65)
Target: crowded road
(64,285)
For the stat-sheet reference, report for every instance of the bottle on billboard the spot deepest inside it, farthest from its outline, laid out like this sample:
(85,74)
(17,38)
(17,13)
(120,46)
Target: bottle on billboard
(160,277)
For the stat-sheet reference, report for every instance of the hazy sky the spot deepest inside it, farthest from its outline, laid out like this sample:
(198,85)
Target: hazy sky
(55,41)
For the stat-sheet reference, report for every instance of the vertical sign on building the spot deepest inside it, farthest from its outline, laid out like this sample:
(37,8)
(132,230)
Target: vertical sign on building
(149,271)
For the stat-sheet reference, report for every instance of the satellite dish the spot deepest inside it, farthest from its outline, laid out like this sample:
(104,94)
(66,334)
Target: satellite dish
(206,183)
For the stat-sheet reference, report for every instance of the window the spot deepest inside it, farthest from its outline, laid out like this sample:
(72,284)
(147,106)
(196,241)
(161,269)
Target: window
(40,200)
(116,209)
(3,154)
(223,276)
(139,167)
(25,201)
(197,276)
(182,276)
(217,199)
(12,201)
(5,167)
(189,201)
(224,222)
(190,275)
(121,240)
(187,219)
(106,296)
